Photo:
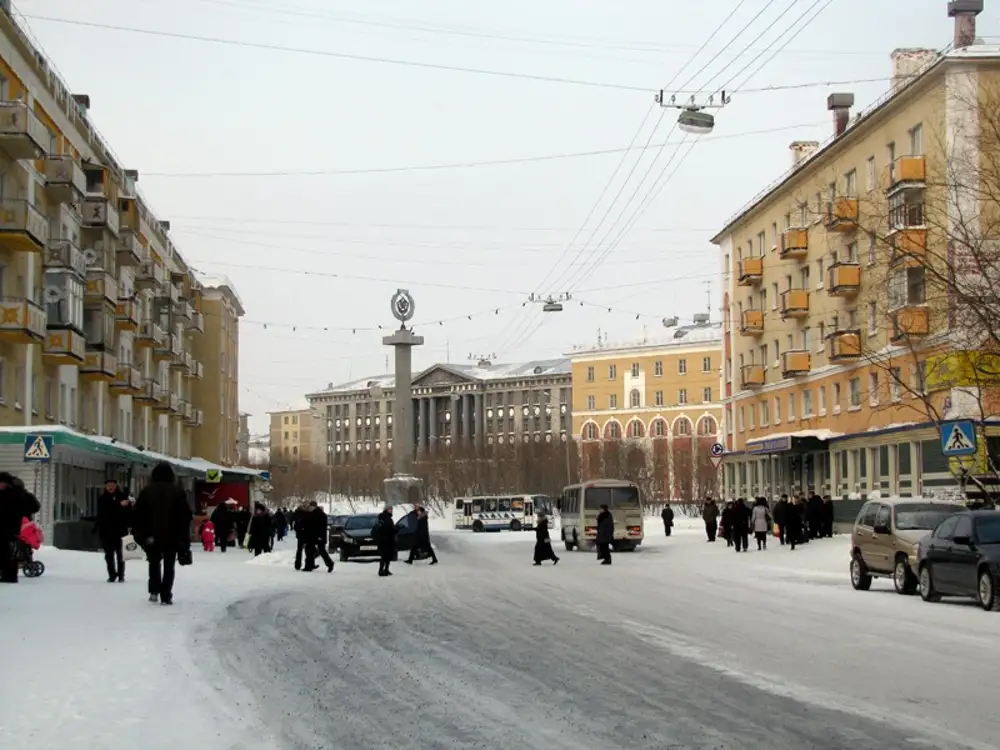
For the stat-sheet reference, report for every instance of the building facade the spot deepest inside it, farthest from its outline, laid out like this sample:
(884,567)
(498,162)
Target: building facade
(835,333)
(99,313)
(297,435)
(453,405)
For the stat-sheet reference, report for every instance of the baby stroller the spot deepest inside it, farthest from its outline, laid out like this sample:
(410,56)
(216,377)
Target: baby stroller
(31,538)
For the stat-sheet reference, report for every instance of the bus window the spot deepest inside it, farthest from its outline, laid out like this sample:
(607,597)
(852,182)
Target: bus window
(614,497)
(477,505)
(542,504)
(626,498)
(529,510)
(516,504)
(504,504)
(491,504)
(459,504)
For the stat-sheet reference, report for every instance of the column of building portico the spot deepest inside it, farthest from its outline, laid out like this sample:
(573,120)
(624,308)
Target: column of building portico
(453,423)
(432,436)
(423,433)
(479,420)
(467,419)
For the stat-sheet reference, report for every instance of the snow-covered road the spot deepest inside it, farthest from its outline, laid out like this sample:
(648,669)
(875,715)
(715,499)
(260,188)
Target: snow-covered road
(681,645)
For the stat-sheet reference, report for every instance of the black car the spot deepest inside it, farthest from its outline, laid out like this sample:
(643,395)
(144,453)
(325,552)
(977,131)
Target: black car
(357,541)
(961,557)
(335,524)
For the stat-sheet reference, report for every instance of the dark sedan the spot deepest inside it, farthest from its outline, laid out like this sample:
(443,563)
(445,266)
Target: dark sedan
(961,557)
(356,540)
(336,526)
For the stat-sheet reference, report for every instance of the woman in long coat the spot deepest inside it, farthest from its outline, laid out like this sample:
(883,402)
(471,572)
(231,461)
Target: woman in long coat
(543,544)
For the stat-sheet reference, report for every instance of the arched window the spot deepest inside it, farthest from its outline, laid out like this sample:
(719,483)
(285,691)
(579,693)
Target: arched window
(634,398)
(590,431)
(682,426)
(635,429)
(659,428)
(706,426)
(614,431)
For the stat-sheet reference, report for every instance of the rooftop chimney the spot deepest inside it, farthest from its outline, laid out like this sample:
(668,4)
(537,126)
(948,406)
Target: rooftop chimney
(964,12)
(802,150)
(909,63)
(165,225)
(840,105)
(83,100)
(702,319)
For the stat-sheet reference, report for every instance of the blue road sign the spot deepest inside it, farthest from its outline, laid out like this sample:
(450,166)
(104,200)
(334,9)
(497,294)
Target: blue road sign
(718,449)
(958,438)
(37,449)
(266,476)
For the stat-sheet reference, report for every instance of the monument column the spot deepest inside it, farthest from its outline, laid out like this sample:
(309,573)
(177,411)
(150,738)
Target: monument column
(402,342)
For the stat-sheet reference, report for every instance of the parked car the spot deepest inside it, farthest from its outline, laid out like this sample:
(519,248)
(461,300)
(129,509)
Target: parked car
(357,541)
(335,525)
(962,558)
(885,537)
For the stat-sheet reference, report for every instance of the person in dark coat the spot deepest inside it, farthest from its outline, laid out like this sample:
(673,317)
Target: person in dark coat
(16,503)
(710,513)
(161,523)
(114,513)
(222,519)
(384,534)
(315,529)
(741,525)
(422,538)
(668,518)
(280,524)
(828,516)
(793,522)
(815,516)
(780,516)
(605,535)
(726,527)
(242,523)
(543,543)
(259,530)
(299,527)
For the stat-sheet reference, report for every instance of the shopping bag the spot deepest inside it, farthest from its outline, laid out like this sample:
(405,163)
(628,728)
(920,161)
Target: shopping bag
(776,530)
(130,549)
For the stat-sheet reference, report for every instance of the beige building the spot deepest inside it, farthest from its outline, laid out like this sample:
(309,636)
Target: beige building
(297,436)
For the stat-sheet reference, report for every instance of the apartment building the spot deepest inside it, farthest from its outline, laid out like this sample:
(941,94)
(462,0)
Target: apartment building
(298,435)
(218,438)
(658,388)
(99,313)
(831,332)
(485,404)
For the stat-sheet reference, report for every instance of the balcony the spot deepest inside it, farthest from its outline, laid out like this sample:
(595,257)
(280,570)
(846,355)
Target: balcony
(149,393)
(184,311)
(842,215)
(100,288)
(795,362)
(909,247)
(196,371)
(794,303)
(751,376)
(65,181)
(909,321)
(169,348)
(751,271)
(22,134)
(844,346)
(794,243)
(752,322)
(23,228)
(64,347)
(98,365)
(22,321)
(196,418)
(126,315)
(843,279)
(128,380)
(128,249)
(150,275)
(197,322)
(181,361)
(64,254)
(174,405)
(98,213)
(150,336)
(905,173)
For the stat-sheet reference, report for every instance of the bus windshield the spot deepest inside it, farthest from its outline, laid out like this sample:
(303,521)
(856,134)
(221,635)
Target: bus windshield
(543,504)
(616,498)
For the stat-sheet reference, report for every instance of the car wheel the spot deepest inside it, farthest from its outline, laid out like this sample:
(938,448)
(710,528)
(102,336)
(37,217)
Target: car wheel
(344,557)
(902,578)
(477,526)
(515,525)
(988,598)
(861,579)
(927,592)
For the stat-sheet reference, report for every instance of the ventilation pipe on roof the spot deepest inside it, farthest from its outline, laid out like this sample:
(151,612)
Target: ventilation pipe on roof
(908,63)
(840,105)
(964,12)
(802,150)
(83,100)
(701,319)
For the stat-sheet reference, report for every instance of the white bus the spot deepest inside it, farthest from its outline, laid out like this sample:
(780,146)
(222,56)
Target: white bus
(499,512)
(580,504)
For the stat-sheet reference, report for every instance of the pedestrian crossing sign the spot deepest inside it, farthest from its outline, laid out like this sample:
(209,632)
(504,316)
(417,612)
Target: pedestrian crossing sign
(213,476)
(958,438)
(38,449)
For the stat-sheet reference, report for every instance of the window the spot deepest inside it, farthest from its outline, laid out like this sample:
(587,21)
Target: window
(821,337)
(803,278)
(658,368)
(706,364)
(683,426)
(706,395)
(763,301)
(836,397)
(591,403)
(659,428)
(855,390)
(920,377)
(614,431)
(634,398)
(777,409)
(774,235)
(613,401)
(822,400)
(682,367)
(286,422)
(871,250)
(872,318)
(791,407)
(820,268)
(870,172)
(947,528)
(765,417)
(635,369)
(806,339)
(891,152)
(894,384)
(739,420)
(851,184)
(906,287)
(590,374)
(852,252)
(612,372)
(873,389)
(807,403)
(917,140)
(682,396)
(868,514)
(882,516)
(774,296)
(590,431)
(658,398)
(286,431)
(634,429)
(706,426)
(761,241)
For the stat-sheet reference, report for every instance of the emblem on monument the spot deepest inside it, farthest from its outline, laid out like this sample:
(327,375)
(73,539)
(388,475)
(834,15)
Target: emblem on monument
(402,305)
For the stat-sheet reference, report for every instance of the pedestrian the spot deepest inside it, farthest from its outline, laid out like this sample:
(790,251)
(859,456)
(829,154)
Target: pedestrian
(828,516)
(793,523)
(161,523)
(543,543)
(741,525)
(605,535)
(315,528)
(208,536)
(780,516)
(384,534)
(668,518)
(222,519)
(280,524)
(242,523)
(259,530)
(710,514)
(113,518)
(760,521)
(301,534)
(16,504)
(726,527)
(422,538)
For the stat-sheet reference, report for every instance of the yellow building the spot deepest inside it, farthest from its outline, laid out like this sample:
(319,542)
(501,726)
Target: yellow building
(834,325)
(98,310)
(297,435)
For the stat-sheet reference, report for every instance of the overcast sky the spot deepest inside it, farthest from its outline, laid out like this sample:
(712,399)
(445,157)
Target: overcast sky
(471,240)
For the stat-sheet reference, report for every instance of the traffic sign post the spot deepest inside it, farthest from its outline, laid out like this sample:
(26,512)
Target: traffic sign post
(37,449)
(958,438)
(718,449)
(717,462)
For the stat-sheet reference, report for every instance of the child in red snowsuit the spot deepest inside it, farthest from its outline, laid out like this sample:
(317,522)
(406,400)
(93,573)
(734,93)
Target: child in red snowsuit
(31,533)
(208,536)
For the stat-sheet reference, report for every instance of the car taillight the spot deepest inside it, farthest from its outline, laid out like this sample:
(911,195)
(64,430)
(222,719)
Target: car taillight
(634,529)
(590,531)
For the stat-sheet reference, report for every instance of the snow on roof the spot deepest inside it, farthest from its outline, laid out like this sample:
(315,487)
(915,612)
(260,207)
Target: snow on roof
(223,283)
(671,336)
(818,434)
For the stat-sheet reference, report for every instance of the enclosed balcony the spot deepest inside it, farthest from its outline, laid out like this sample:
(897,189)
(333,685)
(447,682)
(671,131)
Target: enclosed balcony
(22,134)
(150,275)
(752,322)
(65,181)
(751,270)
(64,347)
(794,303)
(128,380)
(65,255)
(184,311)
(162,404)
(751,376)
(100,287)
(795,362)
(150,335)
(174,406)
(99,365)
(844,346)
(23,228)
(842,214)
(196,371)
(794,243)
(196,419)
(843,279)
(906,173)
(22,321)
(99,213)
(197,322)
(126,315)
(910,321)
(909,246)
(149,393)
(169,348)
(180,362)
(129,250)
